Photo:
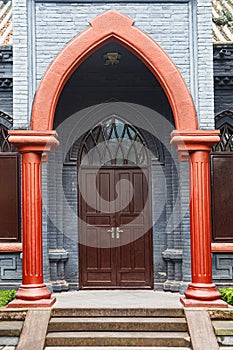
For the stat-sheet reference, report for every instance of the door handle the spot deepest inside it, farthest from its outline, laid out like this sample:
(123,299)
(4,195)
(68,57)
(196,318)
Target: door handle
(118,231)
(112,231)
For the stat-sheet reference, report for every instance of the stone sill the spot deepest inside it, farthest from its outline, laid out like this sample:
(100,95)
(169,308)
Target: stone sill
(222,247)
(11,247)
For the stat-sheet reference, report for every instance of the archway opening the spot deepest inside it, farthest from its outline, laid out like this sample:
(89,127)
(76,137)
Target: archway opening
(100,90)
(117,27)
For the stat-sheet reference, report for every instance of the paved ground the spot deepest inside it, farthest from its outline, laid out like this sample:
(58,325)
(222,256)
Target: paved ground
(117,299)
(114,348)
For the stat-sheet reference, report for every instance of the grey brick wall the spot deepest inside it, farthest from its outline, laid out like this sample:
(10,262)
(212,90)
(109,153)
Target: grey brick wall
(205,64)
(20,66)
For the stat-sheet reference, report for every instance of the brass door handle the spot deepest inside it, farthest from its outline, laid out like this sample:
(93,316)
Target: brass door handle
(118,231)
(112,231)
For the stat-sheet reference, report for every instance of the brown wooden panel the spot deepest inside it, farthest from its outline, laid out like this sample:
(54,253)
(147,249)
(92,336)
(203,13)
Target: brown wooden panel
(123,261)
(9,197)
(134,260)
(97,263)
(222,203)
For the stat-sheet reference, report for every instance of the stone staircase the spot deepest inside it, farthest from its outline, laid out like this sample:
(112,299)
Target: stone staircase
(11,324)
(222,322)
(117,328)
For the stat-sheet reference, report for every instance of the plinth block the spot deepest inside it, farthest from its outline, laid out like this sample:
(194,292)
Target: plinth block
(203,303)
(19,303)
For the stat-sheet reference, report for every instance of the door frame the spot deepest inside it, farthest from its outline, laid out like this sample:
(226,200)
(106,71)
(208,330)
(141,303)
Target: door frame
(150,235)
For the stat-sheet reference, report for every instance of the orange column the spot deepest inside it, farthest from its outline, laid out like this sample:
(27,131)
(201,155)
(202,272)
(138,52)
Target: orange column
(196,146)
(31,145)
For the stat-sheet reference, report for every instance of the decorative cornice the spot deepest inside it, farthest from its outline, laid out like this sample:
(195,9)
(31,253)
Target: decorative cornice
(6,54)
(223,82)
(6,117)
(6,84)
(223,52)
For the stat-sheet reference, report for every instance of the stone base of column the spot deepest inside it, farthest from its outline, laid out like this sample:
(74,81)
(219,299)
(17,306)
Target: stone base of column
(203,303)
(202,291)
(19,303)
(33,292)
(202,295)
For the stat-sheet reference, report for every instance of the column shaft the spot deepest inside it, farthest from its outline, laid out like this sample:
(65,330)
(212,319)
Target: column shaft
(201,287)
(200,225)
(32,287)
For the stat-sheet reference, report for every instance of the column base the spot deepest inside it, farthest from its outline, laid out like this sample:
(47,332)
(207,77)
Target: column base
(19,303)
(203,303)
(33,292)
(202,291)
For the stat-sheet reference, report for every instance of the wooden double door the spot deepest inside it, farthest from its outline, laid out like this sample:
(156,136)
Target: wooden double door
(115,235)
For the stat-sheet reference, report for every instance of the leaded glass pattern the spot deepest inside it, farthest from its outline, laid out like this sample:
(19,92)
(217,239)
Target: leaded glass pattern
(5,145)
(113,142)
(226,139)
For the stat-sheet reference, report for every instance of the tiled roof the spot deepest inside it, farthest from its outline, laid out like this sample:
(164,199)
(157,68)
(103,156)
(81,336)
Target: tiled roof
(222,11)
(222,21)
(5,23)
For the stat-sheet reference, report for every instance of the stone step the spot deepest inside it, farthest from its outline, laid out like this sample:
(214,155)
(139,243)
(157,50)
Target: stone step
(119,312)
(117,324)
(225,340)
(223,327)
(10,341)
(10,328)
(162,339)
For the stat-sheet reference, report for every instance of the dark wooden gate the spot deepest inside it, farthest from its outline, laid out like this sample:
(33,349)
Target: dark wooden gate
(115,236)
(222,180)
(9,187)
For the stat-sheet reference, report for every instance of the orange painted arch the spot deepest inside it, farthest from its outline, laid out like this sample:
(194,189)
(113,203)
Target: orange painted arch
(112,26)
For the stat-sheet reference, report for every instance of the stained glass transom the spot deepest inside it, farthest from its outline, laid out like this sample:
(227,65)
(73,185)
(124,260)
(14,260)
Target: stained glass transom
(5,145)
(113,142)
(226,139)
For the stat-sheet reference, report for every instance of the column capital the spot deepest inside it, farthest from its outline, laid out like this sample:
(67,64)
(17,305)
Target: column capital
(33,141)
(187,141)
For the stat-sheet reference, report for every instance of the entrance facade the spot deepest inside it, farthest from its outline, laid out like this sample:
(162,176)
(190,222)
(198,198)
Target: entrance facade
(115,235)
(192,145)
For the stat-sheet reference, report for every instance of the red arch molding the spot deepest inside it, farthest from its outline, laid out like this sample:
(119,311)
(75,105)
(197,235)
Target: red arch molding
(112,26)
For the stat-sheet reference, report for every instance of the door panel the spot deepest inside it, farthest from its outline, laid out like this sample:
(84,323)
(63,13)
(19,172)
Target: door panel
(119,199)
(97,267)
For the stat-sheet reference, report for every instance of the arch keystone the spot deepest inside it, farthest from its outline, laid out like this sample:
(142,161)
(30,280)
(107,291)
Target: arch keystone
(111,19)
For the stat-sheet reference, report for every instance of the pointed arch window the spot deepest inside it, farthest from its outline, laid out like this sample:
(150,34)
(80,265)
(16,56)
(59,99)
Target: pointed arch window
(114,142)
(5,145)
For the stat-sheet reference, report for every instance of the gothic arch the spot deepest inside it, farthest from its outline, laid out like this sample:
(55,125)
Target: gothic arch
(112,26)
